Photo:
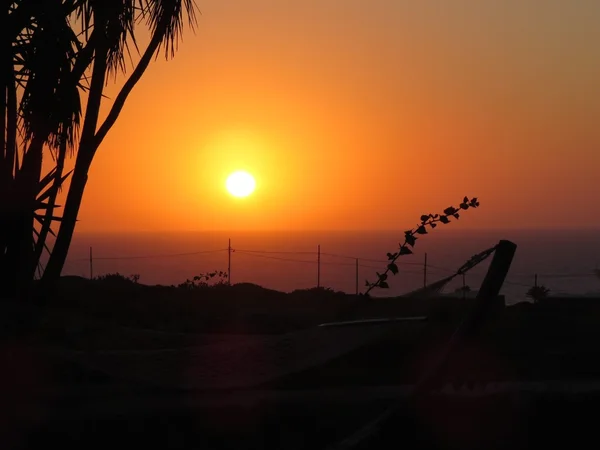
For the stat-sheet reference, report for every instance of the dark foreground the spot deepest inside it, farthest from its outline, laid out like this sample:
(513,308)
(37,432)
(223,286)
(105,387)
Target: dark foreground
(48,401)
(502,422)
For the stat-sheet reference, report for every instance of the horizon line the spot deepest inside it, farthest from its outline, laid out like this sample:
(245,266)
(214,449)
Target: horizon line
(339,230)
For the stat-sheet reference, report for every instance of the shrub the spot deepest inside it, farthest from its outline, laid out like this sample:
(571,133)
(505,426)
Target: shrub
(538,293)
(204,280)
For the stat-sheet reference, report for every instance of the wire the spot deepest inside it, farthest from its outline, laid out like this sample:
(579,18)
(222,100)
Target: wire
(443,269)
(335,255)
(276,252)
(267,254)
(256,255)
(277,258)
(567,275)
(168,255)
(512,283)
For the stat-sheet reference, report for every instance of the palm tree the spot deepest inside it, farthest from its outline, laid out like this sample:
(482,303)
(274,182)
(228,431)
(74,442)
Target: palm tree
(40,109)
(55,51)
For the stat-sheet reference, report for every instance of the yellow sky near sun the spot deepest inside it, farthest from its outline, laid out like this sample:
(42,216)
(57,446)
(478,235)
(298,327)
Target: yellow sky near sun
(360,115)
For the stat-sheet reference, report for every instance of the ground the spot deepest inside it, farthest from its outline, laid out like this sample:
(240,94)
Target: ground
(246,367)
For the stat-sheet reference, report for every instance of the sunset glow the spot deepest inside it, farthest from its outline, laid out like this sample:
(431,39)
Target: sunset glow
(360,118)
(240,184)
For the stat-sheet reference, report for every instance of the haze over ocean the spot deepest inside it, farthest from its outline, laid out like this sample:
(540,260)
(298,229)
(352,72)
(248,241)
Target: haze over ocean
(563,260)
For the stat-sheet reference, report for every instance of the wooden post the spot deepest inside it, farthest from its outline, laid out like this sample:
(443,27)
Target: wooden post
(486,297)
(319,266)
(356,276)
(229,263)
(490,288)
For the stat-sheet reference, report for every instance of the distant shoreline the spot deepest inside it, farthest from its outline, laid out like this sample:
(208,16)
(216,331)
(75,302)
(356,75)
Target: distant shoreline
(449,230)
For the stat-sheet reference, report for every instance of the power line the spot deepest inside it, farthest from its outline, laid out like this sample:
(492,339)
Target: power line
(335,255)
(329,263)
(278,252)
(256,255)
(567,275)
(512,283)
(270,254)
(166,255)
(443,269)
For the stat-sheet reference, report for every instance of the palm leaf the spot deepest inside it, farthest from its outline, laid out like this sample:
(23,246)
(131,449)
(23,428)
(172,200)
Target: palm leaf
(41,218)
(37,233)
(50,190)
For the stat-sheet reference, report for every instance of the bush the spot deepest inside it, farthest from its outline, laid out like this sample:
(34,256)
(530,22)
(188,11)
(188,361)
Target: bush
(118,279)
(204,280)
(538,293)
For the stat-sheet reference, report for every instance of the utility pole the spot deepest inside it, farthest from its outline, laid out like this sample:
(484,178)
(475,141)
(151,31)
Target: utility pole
(464,286)
(91,265)
(319,266)
(535,280)
(425,272)
(229,263)
(356,276)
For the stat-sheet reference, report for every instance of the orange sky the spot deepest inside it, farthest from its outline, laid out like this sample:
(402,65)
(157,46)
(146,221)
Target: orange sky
(361,115)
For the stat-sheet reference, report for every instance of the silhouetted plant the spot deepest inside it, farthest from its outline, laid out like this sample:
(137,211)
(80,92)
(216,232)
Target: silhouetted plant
(410,239)
(218,278)
(462,289)
(58,57)
(538,293)
(117,278)
(321,290)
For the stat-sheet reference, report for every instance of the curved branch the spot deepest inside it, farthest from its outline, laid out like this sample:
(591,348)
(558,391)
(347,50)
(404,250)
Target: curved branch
(130,83)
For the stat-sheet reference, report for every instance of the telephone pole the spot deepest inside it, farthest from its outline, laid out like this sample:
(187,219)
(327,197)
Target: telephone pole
(425,272)
(91,265)
(229,263)
(319,266)
(356,276)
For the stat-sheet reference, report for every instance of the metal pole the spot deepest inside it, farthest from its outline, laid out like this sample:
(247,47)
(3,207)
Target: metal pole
(319,266)
(91,265)
(356,276)
(229,263)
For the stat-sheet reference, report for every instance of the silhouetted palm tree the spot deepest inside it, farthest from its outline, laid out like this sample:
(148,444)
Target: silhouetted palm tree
(53,51)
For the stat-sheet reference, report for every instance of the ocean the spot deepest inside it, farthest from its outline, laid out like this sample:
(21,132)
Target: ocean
(563,260)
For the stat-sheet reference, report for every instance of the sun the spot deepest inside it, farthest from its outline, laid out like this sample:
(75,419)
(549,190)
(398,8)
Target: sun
(240,184)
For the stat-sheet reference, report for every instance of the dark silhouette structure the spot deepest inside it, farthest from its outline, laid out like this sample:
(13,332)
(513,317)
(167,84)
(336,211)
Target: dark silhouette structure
(53,53)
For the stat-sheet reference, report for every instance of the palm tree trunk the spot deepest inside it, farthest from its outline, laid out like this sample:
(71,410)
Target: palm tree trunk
(67,226)
(19,249)
(47,223)
(86,153)
(7,169)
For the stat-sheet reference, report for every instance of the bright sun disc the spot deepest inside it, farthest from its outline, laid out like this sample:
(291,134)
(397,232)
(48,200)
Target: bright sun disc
(240,184)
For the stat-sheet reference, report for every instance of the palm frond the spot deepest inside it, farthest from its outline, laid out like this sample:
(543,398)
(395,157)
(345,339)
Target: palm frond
(167,17)
(54,187)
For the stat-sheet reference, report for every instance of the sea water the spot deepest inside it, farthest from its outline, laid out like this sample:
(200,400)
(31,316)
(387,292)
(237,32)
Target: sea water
(564,260)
